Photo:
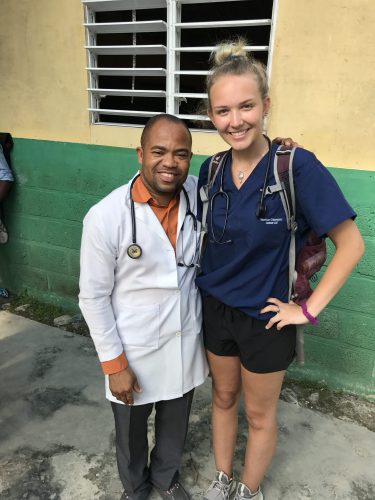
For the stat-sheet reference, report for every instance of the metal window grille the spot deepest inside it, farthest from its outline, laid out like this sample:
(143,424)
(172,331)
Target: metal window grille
(151,56)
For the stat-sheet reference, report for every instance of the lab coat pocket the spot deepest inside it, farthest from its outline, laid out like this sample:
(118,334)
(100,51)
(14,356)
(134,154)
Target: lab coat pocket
(139,326)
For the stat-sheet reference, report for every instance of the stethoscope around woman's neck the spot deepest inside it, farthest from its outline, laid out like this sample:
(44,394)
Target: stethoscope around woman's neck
(260,209)
(135,250)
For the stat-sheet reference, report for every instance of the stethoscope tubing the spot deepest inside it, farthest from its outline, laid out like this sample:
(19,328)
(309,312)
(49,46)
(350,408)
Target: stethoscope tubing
(134,250)
(260,210)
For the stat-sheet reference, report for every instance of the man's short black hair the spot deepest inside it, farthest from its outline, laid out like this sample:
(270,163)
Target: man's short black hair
(162,116)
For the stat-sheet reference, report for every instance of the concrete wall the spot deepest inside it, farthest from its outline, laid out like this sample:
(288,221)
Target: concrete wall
(56,184)
(323,76)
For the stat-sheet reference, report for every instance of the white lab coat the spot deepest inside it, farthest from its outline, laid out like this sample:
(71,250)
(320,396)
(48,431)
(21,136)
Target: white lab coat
(148,307)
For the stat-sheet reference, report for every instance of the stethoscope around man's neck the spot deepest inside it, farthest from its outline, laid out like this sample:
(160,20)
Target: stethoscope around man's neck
(135,250)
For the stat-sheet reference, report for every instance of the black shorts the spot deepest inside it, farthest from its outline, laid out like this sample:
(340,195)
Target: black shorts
(230,332)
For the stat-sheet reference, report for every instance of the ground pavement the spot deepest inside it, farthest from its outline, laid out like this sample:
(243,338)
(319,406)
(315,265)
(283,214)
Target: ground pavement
(57,437)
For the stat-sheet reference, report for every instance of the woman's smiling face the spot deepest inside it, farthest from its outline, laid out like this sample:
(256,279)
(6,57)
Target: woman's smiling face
(237,109)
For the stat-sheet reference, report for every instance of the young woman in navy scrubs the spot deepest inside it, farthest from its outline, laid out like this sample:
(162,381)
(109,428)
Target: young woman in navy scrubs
(249,326)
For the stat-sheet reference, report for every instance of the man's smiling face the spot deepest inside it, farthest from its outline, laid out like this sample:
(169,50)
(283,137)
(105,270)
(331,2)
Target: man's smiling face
(164,158)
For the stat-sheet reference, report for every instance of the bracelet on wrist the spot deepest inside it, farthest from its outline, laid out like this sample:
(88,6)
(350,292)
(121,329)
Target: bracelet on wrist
(310,317)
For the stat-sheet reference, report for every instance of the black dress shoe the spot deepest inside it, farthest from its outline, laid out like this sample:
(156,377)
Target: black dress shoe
(175,492)
(139,495)
(127,496)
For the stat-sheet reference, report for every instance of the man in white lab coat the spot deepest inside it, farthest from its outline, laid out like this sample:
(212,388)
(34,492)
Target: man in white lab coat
(138,296)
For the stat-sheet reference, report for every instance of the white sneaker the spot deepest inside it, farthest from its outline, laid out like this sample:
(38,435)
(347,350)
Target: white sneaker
(243,492)
(220,488)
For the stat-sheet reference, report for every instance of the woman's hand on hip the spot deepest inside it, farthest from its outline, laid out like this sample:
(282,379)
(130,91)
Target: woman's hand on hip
(286,314)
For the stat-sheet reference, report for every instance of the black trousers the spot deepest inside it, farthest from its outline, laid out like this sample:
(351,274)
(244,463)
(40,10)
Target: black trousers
(171,424)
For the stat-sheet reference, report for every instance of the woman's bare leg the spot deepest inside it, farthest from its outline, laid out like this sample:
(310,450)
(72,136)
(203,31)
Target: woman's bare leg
(226,388)
(261,393)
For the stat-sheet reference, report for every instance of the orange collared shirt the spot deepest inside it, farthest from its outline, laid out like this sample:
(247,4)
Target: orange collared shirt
(168,217)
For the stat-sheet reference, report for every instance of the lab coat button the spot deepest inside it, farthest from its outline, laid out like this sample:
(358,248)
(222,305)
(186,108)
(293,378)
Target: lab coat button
(178,334)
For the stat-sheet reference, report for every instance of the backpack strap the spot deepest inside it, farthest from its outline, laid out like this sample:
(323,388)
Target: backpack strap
(283,172)
(215,164)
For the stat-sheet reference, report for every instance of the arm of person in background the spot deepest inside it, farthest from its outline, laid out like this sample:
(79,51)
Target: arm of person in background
(6,176)
(4,189)
(98,261)
(6,182)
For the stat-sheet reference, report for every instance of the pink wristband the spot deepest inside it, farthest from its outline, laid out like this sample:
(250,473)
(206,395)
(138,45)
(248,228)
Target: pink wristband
(310,317)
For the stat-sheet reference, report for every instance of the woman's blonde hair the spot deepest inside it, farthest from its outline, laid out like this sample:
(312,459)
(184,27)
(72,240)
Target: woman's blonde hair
(231,58)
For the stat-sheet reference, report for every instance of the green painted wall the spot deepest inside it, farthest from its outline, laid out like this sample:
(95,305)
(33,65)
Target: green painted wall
(58,182)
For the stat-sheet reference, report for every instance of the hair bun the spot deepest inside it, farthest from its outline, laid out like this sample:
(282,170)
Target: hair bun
(229,51)
(232,58)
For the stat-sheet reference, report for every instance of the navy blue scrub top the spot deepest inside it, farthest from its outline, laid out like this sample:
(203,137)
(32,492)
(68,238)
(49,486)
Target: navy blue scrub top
(254,266)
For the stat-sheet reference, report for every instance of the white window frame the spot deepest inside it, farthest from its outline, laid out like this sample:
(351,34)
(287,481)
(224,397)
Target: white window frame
(172,50)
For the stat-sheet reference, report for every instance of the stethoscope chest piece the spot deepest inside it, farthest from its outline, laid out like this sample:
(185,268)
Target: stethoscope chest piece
(134,251)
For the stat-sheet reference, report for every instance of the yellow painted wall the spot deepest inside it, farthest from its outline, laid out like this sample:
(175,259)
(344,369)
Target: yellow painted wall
(42,70)
(43,77)
(323,78)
